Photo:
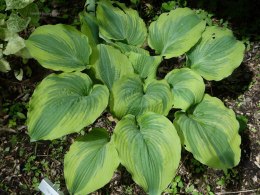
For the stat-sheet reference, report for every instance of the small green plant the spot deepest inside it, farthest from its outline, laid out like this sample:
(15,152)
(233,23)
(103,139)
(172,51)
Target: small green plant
(15,113)
(170,5)
(175,185)
(15,16)
(229,176)
(107,66)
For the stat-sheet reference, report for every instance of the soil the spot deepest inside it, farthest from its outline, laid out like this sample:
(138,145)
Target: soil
(23,164)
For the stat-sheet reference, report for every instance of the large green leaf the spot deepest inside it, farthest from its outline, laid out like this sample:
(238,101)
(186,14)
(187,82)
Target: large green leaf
(174,33)
(64,104)
(89,27)
(59,47)
(217,54)
(17,4)
(119,23)
(90,162)
(145,65)
(210,133)
(187,87)
(130,95)
(127,49)
(111,65)
(149,148)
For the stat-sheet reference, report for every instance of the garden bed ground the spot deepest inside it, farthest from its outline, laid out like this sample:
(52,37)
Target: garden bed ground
(23,164)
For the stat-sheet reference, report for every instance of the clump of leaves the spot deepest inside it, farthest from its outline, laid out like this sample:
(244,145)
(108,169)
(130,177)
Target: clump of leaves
(112,49)
(170,5)
(15,16)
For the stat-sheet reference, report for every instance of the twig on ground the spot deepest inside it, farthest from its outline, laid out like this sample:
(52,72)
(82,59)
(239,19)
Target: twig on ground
(237,192)
(5,129)
(185,158)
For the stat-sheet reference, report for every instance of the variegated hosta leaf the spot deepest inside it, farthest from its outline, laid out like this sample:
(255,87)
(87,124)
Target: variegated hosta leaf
(217,54)
(149,147)
(119,23)
(90,162)
(210,133)
(127,49)
(187,87)
(131,96)
(174,33)
(111,65)
(64,104)
(89,27)
(59,47)
(145,65)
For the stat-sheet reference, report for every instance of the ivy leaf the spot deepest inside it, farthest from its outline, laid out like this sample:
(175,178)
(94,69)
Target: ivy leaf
(210,132)
(16,24)
(217,54)
(19,74)
(149,147)
(174,33)
(6,34)
(14,45)
(90,162)
(4,65)
(17,4)
(2,19)
(31,11)
(63,104)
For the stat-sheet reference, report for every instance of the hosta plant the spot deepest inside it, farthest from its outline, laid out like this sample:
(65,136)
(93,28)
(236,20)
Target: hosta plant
(106,66)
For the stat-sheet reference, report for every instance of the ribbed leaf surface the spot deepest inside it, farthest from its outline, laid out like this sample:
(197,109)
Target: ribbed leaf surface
(117,22)
(210,133)
(131,96)
(64,104)
(174,33)
(111,65)
(149,148)
(187,87)
(59,47)
(90,162)
(127,49)
(217,54)
(145,65)
(89,27)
